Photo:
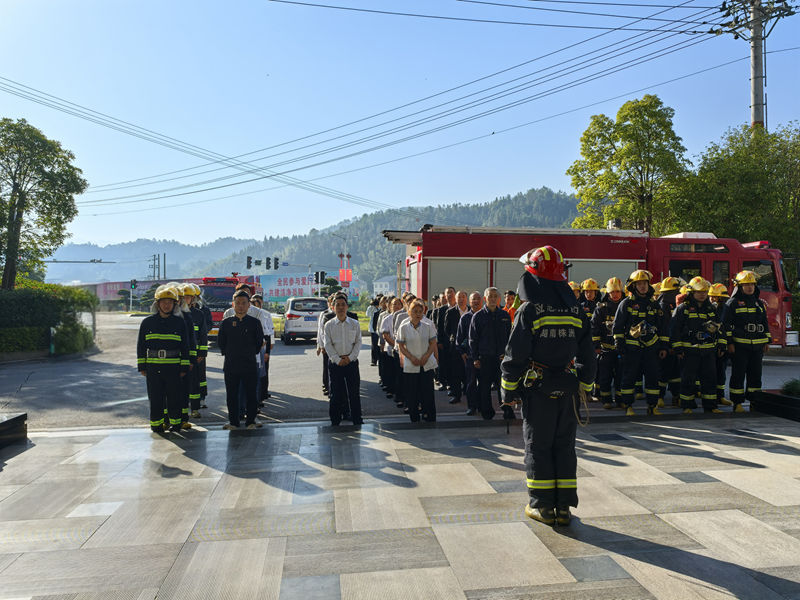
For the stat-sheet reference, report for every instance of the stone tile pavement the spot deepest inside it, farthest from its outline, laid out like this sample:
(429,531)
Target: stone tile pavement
(669,509)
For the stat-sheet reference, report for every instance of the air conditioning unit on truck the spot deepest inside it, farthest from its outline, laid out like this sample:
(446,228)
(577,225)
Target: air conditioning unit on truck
(473,258)
(217,294)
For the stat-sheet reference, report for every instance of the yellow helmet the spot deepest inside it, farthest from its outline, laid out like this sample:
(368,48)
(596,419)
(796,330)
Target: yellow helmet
(718,290)
(589,284)
(745,277)
(698,284)
(614,285)
(197,290)
(574,286)
(656,288)
(187,289)
(685,289)
(641,275)
(669,284)
(165,291)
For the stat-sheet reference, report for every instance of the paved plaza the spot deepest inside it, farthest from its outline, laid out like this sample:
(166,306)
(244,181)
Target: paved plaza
(708,508)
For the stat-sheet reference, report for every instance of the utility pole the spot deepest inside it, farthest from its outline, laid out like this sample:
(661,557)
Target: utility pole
(165,265)
(749,20)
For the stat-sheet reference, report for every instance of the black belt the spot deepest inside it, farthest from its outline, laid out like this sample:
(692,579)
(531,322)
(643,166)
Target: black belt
(163,353)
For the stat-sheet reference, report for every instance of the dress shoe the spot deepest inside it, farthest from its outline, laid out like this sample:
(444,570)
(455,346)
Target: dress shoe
(471,412)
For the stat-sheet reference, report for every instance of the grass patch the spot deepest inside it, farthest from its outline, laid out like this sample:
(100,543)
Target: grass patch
(791,387)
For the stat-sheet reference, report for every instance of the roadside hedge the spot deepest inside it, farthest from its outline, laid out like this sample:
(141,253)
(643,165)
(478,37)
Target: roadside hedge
(24,339)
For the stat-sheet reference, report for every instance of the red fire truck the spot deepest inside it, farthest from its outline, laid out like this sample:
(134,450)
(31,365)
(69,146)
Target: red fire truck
(473,258)
(218,295)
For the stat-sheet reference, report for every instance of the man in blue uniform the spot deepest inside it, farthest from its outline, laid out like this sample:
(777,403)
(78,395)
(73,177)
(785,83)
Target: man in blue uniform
(488,336)
(162,356)
(609,365)
(549,362)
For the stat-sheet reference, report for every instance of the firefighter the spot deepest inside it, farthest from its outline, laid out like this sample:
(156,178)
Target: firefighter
(695,337)
(162,356)
(718,294)
(589,296)
(189,291)
(609,365)
(640,336)
(549,340)
(187,380)
(745,325)
(576,289)
(670,373)
(209,323)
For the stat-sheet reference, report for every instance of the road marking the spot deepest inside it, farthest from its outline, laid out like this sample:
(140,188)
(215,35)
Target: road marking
(118,402)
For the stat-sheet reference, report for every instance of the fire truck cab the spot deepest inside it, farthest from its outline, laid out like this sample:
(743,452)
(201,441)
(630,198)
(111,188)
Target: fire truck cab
(473,258)
(217,295)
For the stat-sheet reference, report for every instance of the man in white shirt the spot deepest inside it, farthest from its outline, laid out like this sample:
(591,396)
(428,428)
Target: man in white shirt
(342,339)
(323,318)
(416,341)
(269,342)
(387,332)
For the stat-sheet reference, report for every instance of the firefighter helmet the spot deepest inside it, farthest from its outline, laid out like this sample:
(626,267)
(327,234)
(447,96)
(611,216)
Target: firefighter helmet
(669,284)
(165,291)
(698,284)
(745,277)
(589,284)
(685,289)
(718,290)
(656,288)
(545,262)
(613,285)
(639,275)
(197,290)
(574,286)
(187,289)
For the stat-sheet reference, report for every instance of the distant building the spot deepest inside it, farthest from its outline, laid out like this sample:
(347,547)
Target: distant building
(385,285)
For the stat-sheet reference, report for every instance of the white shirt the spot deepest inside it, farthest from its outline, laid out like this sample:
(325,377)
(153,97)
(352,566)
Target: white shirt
(386,327)
(321,331)
(417,339)
(371,310)
(342,338)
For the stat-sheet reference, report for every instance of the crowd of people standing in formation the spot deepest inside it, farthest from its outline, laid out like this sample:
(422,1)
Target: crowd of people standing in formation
(173,345)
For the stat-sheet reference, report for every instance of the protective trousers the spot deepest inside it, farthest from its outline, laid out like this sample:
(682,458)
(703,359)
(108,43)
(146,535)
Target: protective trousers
(700,366)
(722,366)
(203,382)
(548,427)
(194,386)
(609,369)
(669,376)
(637,362)
(746,362)
(186,393)
(165,392)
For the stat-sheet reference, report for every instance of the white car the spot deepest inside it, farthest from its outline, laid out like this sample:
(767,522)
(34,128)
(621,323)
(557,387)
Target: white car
(301,318)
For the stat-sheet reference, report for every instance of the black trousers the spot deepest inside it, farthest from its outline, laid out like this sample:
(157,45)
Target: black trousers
(375,350)
(488,374)
(444,365)
(456,375)
(194,386)
(165,392)
(722,366)
(418,390)
(609,370)
(634,364)
(700,366)
(746,362)
(397,377)
(203,382)
(265,378)
(548,428)
(471,384)
(246,378)
(344,391)
(325,376)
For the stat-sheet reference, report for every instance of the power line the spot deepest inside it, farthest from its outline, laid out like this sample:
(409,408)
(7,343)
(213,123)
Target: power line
(636,4)
(462,142)
(624,27)
(449,18)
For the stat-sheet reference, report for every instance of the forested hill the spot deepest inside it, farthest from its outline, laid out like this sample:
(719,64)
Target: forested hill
(372,255)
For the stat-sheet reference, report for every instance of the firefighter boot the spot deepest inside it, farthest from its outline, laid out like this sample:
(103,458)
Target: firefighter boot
(653,410)
(543,515)
(563,516)
(738,408)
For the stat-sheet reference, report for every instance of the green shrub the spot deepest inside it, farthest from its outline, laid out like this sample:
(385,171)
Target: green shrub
(72,337)
(24,339)
(791,387)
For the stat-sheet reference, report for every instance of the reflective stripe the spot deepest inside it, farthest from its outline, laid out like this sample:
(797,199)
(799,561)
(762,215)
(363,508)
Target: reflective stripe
(509,385)
(587,387)
(174,421)
(141,361)
(565,320)
(709,396)
(185,363)
(163,336)
(753,389)
(596,338)
(163,361)
(624,391)
(687,396)
(604,394)
(753,341)
(567,483)
(203,384)
(185,411)
(202,347)
(619,336)
(721,387)
(646,391)
(192,352)
(196,328)
(737,391)
(194,396)
(745,309)
(546,253)
(156,423)
(541,484)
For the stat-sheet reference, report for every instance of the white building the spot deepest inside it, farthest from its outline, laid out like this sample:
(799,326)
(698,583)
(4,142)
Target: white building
(385,285)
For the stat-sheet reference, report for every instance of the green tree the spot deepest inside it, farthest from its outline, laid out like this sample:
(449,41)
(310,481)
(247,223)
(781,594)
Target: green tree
(331,286)
(38,183)
(626,166)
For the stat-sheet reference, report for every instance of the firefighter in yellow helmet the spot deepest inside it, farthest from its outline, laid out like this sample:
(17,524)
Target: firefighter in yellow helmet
(162,356)
(718,294)
(576,289)
(695,335)
(670,366)
(609,363)
(745,324)
(590,293)
(640,336)
(209,323)
(190,291)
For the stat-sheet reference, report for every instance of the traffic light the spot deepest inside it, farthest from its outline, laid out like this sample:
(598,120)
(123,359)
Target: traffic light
(249,262)
(268,263)
(322,275)
(133,284)
(316,276)
(275,263)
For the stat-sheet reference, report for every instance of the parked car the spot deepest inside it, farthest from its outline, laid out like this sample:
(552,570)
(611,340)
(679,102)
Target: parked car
(301,318)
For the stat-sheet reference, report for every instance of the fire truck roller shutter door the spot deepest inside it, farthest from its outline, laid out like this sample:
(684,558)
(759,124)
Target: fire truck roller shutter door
(463,274)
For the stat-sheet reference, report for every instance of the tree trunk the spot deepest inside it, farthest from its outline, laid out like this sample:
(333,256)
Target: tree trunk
(16,212)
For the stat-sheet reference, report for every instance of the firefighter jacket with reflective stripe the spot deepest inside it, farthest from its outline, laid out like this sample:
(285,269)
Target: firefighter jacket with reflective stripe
(187,317)
(488,332)
(207,314)
(696,326)
(163,341)
(603,323)
(551,330)
(200,330)
(640,323)
(744,319)
(588,306)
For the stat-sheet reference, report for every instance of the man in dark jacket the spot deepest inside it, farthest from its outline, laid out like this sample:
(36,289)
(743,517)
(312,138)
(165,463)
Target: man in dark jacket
(451,320)
(462,343)
(240,339)
(549,362)
(488,336)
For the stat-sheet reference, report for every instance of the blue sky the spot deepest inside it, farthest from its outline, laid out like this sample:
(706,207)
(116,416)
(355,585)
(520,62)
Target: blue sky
(236,77)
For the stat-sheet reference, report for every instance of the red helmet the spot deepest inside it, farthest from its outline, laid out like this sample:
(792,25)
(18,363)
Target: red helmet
(545,262)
